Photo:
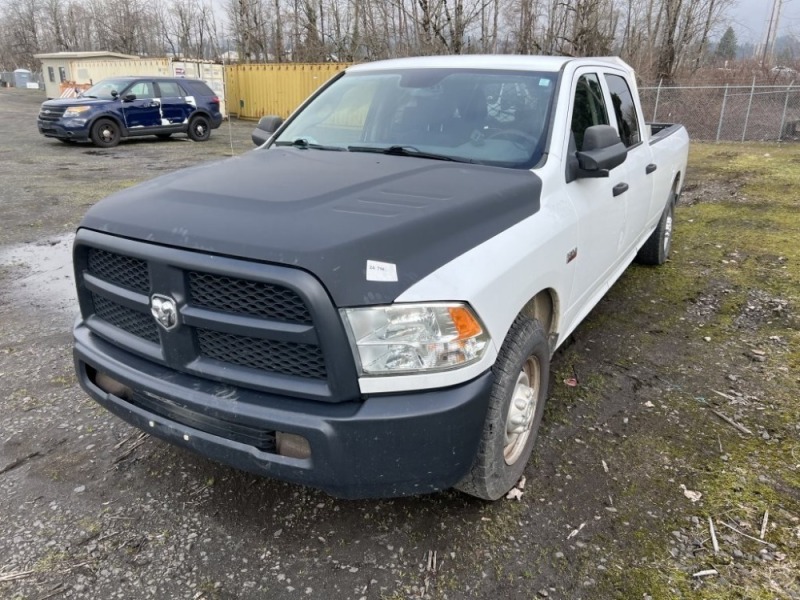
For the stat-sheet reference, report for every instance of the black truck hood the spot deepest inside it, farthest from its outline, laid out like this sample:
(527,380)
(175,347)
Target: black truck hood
(326,212)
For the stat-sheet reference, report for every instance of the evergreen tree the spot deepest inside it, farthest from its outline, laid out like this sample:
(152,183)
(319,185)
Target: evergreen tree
(726,49)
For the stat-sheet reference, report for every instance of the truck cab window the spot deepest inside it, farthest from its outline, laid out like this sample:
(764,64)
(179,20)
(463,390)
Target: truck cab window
(588,108)
(624,109)
(496,117)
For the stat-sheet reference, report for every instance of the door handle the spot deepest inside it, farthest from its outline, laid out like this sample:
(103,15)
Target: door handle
(620,188)
(650,168)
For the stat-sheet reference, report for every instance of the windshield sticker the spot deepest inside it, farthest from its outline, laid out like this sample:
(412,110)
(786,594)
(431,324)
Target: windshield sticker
(381,271)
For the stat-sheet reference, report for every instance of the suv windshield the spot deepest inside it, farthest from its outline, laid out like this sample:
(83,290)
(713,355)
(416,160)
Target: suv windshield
(480,116)
(105,88)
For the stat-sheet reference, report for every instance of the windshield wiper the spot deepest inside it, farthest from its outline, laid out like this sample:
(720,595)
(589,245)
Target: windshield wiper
(402,150)
(304,144)
(87,96)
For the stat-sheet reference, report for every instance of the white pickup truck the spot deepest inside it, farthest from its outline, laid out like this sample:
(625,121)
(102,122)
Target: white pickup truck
(369,301)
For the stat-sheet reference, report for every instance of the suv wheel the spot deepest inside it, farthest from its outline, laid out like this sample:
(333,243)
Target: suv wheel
(199,129)
(105,133)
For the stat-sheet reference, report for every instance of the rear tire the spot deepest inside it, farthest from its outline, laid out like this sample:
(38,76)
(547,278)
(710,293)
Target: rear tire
(105,133)
(655,250)
(199,129)
(516,405)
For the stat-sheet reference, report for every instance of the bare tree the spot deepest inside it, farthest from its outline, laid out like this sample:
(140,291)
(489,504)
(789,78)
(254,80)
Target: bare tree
(22,30)
(658,37)
(188,28)
(248,22)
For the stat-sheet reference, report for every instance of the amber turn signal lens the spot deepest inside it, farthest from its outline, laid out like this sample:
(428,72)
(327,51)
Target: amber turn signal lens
(465,323)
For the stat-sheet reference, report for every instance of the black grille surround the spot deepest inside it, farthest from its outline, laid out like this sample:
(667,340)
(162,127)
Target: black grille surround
(260,326)
(120,316)
(229,294)
(303,360)
(121,270)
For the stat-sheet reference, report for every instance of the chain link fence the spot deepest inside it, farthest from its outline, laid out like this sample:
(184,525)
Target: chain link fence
(727,113)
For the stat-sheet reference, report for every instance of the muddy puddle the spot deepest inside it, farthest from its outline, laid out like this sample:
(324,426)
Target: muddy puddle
(39,275)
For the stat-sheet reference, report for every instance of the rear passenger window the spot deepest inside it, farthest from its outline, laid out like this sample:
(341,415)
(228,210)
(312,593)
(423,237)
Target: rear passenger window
(197,88)
(624,109)
(589,107)
(170,89)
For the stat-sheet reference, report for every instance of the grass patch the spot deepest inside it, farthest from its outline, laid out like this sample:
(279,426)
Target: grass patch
(734,279)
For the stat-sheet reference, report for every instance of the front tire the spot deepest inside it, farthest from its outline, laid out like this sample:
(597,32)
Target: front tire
(199,129)
(105,133)
(516,405)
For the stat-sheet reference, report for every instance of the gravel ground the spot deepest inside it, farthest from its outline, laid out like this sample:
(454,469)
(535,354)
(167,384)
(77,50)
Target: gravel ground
(92,508)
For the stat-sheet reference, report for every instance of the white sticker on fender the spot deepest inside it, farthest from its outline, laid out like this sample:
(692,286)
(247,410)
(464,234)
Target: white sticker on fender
(381,271)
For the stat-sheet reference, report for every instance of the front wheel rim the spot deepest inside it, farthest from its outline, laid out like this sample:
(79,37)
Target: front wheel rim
(521,410)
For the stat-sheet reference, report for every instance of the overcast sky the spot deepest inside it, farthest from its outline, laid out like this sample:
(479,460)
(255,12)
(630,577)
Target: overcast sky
(750,19)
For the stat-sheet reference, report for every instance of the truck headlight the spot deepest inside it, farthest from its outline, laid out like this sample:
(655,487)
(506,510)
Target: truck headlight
(76,111)
(411,338)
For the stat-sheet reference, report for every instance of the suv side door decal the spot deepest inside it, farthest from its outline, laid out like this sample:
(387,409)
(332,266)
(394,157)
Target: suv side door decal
(145,110)
(174,105)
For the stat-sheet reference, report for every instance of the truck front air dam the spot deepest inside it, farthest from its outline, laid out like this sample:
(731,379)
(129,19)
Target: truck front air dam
(382,446)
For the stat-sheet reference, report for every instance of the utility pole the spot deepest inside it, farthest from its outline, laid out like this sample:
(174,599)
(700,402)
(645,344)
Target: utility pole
(772,32)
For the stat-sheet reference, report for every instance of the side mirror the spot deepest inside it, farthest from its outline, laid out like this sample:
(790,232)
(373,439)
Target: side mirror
(602,151)
(129,97)
(265,128)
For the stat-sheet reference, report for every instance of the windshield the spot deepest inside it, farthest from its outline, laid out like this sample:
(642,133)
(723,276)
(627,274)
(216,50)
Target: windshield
(105,88)
(486,117)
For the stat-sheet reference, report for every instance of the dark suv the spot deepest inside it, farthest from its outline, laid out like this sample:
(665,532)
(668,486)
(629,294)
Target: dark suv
(133,106)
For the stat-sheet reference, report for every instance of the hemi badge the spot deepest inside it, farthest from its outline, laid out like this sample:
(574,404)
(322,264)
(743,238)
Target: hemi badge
(572,255)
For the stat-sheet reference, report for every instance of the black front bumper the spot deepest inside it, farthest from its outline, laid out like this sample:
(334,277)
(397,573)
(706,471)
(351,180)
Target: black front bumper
(56,129)
(386,445)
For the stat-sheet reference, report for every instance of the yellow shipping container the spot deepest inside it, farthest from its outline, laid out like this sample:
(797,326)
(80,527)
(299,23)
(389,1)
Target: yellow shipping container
(87,71)
(256,90)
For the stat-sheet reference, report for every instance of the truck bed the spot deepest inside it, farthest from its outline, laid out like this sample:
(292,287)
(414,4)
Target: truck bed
(659,131)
